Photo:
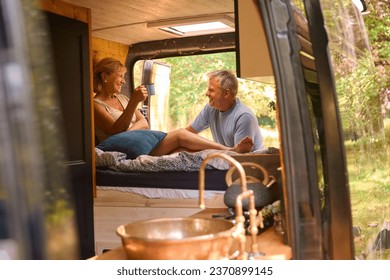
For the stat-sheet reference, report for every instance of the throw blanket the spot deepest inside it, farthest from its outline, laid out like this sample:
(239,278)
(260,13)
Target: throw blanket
(182,161)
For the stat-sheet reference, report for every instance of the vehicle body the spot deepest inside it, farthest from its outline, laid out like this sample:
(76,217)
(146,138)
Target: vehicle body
(287,45)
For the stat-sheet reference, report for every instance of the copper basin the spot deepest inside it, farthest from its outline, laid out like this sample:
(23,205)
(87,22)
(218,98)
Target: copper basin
(177,239)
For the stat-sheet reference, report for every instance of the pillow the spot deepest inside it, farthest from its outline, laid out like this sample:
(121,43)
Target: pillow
(133,143)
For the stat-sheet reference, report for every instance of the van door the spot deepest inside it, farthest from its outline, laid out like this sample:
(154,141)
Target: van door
(316,191)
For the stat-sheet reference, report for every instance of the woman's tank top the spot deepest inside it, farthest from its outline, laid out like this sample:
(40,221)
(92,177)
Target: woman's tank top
(114,113)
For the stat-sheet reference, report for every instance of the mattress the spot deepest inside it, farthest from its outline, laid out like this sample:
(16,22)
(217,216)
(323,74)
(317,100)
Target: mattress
(183,180)
(178,184)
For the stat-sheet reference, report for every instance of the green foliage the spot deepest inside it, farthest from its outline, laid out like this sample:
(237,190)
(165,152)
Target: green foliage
(359,98)
(361,85)
(189,86)
(369,183)
(378,25)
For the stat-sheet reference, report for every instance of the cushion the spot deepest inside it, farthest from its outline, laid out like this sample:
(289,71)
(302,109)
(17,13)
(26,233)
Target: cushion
(133,143)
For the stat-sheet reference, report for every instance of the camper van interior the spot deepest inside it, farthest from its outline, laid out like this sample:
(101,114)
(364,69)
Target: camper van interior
(144,36)
(279,50)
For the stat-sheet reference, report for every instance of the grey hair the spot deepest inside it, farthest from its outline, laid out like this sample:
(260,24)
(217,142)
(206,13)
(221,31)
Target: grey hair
(226,79)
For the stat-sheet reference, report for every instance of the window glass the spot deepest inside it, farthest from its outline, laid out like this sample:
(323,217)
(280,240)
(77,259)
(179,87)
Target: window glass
(187,93)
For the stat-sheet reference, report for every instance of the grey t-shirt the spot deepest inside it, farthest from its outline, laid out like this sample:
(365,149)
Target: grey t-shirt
(230,127)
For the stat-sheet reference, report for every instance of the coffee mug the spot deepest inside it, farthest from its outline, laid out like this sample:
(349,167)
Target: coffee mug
(150,89)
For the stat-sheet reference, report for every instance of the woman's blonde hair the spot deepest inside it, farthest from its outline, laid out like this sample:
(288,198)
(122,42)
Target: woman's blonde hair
(107,65)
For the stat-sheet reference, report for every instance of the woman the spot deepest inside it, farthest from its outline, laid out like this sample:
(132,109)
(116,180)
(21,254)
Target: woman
(116,113)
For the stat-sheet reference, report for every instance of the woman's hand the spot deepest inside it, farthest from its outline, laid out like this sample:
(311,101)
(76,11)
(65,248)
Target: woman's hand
(140,93)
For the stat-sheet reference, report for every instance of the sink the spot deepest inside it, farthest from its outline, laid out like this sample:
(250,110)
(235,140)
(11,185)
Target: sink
(177,239)
(194,238)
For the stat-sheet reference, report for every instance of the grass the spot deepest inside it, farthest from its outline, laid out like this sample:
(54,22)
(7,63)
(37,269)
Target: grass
(368,167)
(369,179)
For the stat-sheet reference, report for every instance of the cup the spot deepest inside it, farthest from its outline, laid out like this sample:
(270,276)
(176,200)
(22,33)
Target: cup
(150,89)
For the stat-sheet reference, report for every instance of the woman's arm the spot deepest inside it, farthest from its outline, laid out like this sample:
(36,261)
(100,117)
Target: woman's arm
(140,123)
(103,119)
(111,126)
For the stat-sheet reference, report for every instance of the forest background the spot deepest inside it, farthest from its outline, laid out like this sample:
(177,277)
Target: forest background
(361,86)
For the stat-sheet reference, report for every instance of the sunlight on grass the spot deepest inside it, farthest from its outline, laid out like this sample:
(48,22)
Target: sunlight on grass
(369,180)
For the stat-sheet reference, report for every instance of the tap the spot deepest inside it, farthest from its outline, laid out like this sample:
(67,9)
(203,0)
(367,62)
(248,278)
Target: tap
(254,216)
(240,219)
(202,174)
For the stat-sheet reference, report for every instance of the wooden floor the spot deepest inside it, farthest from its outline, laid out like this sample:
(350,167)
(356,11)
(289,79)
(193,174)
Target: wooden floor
(114,208)
(270,244)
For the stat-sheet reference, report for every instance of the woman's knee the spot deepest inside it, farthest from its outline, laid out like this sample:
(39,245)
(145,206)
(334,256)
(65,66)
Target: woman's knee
(182,134)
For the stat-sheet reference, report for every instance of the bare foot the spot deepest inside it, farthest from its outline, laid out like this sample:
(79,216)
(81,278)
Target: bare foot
(245,146)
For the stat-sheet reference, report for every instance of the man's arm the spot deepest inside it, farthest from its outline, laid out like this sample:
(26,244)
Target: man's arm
(247,126)
(191,129)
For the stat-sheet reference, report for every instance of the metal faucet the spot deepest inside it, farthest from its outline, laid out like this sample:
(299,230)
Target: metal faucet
(202,174)
(240,219)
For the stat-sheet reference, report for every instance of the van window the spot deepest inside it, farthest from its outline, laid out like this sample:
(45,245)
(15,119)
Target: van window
(186,94)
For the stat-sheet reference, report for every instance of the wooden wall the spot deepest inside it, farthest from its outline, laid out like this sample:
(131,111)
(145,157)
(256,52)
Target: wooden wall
(65,9)
(102,48)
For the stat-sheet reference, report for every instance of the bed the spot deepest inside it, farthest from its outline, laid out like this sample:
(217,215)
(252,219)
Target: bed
(177,171)
(172,173)
(167,186)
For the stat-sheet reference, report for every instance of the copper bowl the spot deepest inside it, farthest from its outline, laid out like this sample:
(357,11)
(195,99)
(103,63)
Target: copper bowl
(177,239)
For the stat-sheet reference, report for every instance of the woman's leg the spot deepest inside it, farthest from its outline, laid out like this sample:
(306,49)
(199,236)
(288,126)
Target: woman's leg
(182,139)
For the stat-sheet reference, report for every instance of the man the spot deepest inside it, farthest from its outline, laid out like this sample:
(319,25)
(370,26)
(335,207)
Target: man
(229,120)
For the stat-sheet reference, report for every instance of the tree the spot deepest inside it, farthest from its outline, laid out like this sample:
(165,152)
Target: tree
(377,20)
(189,85)
(359,83)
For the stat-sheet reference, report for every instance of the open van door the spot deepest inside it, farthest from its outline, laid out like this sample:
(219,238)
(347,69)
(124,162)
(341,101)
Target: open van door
(316,191)
(37,211)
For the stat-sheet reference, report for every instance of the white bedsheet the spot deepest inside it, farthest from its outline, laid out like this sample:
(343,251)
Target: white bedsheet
(162,193)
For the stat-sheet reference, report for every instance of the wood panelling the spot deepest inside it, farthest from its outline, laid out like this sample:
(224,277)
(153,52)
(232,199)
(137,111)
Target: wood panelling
(103,48)
(125,21)
(66,9)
